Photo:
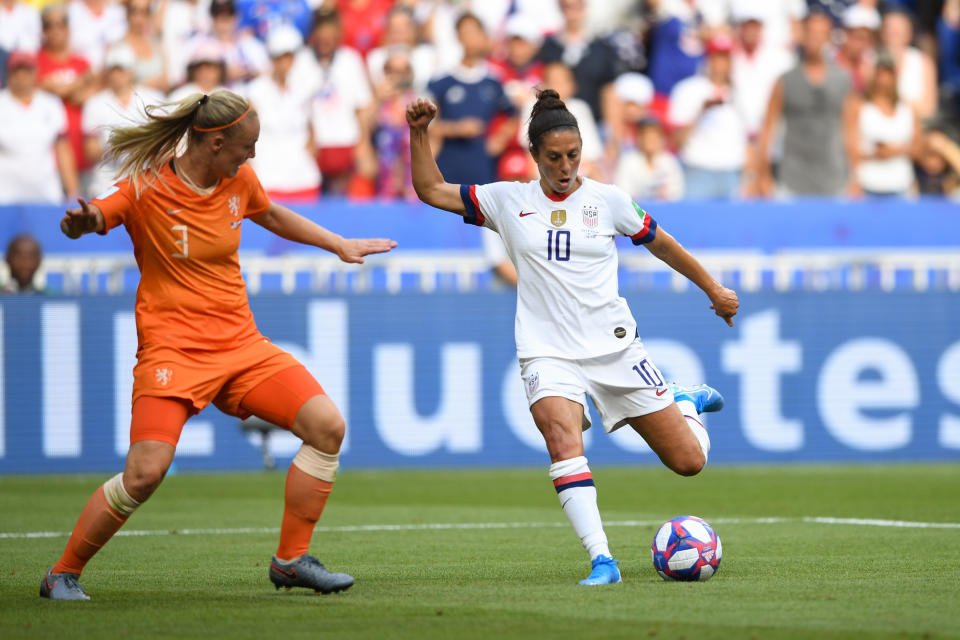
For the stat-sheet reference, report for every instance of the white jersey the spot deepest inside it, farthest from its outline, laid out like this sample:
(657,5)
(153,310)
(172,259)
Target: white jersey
(568,299)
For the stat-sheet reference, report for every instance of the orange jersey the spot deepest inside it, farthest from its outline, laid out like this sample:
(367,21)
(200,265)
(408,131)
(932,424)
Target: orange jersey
(191,294)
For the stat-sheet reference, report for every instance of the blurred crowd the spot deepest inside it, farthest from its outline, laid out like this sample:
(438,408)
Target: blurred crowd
(695,99)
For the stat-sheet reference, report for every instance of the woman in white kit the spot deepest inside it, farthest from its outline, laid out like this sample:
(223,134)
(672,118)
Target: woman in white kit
(575,334)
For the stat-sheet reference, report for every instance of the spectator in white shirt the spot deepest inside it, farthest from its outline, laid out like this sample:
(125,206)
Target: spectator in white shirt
(19,26)
(284,160)
(95,25)
(650,172)
(120,104)
(916,73)
(341,100)
(401,30)
(888,136)
(36,162)
(710,127)
(181,21)
(150,67)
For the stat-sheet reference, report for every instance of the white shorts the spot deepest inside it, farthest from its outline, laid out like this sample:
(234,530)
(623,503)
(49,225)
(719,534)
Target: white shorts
(622,385)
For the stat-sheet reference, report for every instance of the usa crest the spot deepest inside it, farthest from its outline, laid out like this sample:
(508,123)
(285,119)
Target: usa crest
(591,214)
(558,217)
(532,383)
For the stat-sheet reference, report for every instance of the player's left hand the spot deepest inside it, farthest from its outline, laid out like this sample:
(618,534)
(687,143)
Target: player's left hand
(725,304)
(352,250)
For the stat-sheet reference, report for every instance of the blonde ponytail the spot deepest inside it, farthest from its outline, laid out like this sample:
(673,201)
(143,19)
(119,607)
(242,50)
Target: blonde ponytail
(141,150)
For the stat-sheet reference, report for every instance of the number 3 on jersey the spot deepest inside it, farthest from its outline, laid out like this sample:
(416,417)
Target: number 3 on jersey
(558,249)
(182,242)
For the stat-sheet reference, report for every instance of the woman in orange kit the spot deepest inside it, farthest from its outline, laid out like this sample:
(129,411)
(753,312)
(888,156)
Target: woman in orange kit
(198,342)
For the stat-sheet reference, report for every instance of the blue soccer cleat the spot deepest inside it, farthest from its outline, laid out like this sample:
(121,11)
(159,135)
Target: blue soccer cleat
(705,398)
(62,586)
(306,571)
(604,571)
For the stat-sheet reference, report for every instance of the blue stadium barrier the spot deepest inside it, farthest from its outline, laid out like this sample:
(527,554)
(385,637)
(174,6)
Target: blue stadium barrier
(765,226)
(432,381)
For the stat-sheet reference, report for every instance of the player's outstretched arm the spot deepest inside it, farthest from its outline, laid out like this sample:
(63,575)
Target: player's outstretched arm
(289,224)
(723,301)
(428,182)
(87,218)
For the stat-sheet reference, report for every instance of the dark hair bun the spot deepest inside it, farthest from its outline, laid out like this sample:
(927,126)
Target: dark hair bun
(549,112)
(547,100)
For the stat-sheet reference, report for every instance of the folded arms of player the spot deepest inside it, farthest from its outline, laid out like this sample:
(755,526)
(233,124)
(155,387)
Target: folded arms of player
(87,218)
(292,226)
(723,301)
(428,182)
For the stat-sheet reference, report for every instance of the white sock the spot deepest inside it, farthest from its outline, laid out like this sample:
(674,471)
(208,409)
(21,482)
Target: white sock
(578,497)
(689,411)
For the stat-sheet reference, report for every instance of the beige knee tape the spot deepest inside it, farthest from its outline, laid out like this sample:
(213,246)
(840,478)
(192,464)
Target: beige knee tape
(117,497)
(317,463)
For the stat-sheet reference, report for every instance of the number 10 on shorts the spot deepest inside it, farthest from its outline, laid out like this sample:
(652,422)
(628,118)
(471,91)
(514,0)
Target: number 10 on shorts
(649,373)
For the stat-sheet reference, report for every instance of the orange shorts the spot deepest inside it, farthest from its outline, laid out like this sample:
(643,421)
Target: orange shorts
(222,377)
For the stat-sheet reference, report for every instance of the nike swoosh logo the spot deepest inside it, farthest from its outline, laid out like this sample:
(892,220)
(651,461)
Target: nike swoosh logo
(173,211)
(528,213)
(661,392)
(292,573)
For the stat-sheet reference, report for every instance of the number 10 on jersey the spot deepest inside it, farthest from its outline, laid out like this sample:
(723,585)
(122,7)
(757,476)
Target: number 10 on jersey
(558,245)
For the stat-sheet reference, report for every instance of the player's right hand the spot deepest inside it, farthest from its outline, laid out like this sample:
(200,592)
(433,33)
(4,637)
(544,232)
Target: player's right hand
(420,113)
(85,219)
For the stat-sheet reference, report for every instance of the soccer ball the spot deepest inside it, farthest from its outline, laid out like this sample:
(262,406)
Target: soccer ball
(686,548)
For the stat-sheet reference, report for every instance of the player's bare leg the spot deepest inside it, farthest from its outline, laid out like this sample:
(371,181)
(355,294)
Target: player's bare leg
(560,421)
(309,482)
(676,433)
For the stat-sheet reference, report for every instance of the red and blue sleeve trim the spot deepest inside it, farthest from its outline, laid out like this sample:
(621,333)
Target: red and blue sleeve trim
(473,215)
(576,480)
(649,231)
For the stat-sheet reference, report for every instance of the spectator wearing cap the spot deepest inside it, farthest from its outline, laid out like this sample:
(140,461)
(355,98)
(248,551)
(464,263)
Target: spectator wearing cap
(709,127)
(518,69)
(206,73)
(594,62)
(19,29)
(94,26)
(887,136)
(916,73)
(858,52)
(23,259)
(120,103)
(468,99)
(401,31)
(67,74)
(635,93)
(817,109)
(149,67)
(520,73)
(36,163)
(649,171)
(341,99)
(284,160)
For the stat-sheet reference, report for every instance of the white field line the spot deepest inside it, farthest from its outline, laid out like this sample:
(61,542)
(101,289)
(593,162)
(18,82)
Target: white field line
(486,525)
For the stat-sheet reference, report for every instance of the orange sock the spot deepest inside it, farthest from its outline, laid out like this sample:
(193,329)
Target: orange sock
(96,525)
(304,500)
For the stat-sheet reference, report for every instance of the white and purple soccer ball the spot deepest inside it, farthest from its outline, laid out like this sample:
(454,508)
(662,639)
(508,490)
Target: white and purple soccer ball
(687,549)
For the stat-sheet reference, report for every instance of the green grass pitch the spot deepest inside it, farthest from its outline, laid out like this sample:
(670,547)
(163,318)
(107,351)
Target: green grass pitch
(508,564)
